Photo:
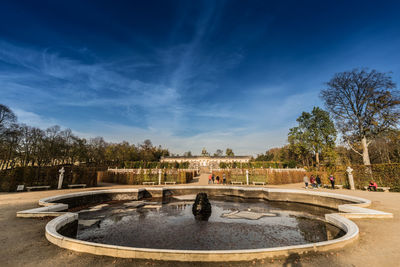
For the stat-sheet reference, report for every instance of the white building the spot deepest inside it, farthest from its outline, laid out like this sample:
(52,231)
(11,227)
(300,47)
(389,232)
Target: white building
(207,161)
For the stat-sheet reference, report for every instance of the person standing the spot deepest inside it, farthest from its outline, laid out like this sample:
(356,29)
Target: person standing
(332,179)
(306,180)
(209,179)
(213,178)
(217,179)
(224,178)
(318,179)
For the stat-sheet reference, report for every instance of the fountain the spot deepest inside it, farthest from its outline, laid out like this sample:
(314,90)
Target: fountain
(245,223)
(201,207)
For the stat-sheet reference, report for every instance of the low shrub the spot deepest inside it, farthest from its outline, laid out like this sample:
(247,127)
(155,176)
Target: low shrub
(269,176)
(152,165)
(37,176)
(137,177)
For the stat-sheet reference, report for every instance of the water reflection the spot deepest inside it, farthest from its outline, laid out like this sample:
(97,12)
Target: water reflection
(172,226)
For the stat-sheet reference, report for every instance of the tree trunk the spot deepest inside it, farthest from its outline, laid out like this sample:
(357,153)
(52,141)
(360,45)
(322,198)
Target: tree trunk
(365,153)
(317,158)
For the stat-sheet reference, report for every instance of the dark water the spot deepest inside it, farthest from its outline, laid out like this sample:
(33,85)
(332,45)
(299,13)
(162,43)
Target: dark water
(172,225)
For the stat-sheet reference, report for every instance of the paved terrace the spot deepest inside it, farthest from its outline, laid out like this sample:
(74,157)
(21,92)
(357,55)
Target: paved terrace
(23,241)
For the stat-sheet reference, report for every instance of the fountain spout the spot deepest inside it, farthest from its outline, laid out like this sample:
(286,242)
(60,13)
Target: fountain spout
(201,207)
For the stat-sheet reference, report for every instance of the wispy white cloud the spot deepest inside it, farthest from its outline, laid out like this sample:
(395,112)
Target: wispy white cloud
(33,119)
(174,106)
(55,81)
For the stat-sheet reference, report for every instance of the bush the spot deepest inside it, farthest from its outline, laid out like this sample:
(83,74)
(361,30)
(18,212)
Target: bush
(153,165)
(386,175)
(36,176)
(137,177)
(269,176)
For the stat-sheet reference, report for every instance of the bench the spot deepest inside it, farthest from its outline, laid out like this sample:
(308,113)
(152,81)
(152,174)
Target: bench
(383,188)
(258,183)
(169,183)
(152,183)
(76,185)
(40,187)
(236,182)
(339,186)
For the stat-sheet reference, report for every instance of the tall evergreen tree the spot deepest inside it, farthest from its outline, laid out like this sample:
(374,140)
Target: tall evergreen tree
(315,132)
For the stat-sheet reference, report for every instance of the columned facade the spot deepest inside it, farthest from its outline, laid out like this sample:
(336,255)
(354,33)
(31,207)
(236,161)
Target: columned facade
(206,161)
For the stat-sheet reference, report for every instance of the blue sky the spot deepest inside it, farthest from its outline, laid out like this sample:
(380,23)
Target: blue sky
(186,74)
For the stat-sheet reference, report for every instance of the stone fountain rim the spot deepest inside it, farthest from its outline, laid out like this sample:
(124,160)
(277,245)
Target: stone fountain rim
(354,210)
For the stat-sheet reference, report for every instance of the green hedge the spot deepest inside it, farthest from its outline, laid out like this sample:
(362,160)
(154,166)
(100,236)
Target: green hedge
(37,176)
(148,175)
(258,164)
(268,176)
(386,175)
(383,174)
(152,165)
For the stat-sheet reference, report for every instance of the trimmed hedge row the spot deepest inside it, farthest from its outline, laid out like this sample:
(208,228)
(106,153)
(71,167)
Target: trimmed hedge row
(257,164)
(146,175)
(383,174)
(152,165)
(268,176)
(386,175)
(37,176)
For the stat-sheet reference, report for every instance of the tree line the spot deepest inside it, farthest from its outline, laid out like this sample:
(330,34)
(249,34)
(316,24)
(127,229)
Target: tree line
(362,107)
(23,145)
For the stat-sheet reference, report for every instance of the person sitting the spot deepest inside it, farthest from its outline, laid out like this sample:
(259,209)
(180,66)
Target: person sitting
(312,181)
(372,186)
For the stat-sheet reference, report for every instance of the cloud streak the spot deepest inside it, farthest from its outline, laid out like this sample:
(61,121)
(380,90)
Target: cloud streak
(186,75)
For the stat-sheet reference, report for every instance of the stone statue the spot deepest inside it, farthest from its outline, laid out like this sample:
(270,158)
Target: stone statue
(349,171)
(61,178)
(201,208)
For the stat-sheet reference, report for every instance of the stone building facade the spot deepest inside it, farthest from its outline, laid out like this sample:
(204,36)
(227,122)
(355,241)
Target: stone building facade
(207,161)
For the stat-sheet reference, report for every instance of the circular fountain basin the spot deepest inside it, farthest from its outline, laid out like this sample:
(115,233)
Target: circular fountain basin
(235,223)
(246,223)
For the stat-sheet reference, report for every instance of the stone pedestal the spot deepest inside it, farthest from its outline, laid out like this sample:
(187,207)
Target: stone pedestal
(61,178)
(349,171)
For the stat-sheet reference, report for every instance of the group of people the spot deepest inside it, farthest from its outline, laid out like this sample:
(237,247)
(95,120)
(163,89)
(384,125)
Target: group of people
(315,182)
(216,180)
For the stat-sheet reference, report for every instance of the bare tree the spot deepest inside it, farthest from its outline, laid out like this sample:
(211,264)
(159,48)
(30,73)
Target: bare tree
(22,145)
(6,116)
(364,104)
(218,153)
